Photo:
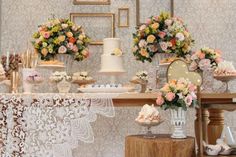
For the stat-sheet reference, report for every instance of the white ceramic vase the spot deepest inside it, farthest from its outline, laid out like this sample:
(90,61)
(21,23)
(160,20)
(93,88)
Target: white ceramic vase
(63,86)
(27,87)
(178,120)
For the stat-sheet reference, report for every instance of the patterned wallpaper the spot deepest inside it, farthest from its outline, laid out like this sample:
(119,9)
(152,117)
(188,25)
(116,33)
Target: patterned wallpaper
(212,23)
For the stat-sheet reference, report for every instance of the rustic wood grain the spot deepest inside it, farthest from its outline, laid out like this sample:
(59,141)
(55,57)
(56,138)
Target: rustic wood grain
(162,146)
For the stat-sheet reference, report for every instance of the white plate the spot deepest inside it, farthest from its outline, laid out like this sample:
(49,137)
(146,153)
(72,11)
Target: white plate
(104,90)
(51,65)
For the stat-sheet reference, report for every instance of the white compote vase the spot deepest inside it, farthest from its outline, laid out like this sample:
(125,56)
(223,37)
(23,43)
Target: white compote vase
(178,120)
(63,86)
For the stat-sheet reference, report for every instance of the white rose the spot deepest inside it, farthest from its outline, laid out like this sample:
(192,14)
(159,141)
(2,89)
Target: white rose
(142,43)
(180,36)
(64,26)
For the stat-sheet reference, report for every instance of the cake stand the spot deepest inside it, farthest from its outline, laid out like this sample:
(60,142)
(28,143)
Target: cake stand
(149,133)
(142,83)
(225,79)
(83,83)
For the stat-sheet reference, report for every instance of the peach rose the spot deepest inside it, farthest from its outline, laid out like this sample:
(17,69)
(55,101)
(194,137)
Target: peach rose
(62,38)
(162,34)
(170,96)
(201,55)
(151,39)
(85,53)
(44,52)
(218,60)
(155,25)
(69,34)
(149,21)
(143,52)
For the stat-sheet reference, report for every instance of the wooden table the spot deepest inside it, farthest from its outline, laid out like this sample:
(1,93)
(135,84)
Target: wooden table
(162,146)
(210,124)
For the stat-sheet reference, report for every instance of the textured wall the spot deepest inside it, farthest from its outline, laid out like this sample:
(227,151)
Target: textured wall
(212,23)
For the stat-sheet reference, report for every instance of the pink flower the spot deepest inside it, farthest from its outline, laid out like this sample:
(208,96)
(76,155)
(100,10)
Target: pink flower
(149,21)
(218,60)
(191,87)
(193,66)
(164,46)
(75,48)
(170,96)
(160,100)
(62,49)
(156,18)
(188,100)
(70,46)
(204,64)
(162,34)
(46,35)
(201,55)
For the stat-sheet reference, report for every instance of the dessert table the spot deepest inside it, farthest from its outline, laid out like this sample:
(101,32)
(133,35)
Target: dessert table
(163,146)
(52,124)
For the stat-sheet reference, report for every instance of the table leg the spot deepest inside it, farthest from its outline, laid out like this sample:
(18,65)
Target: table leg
(216,125)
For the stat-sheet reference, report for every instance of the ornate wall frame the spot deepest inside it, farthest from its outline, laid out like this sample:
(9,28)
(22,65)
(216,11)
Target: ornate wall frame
(92,2)
(126,11)
(138,22)
(111,16)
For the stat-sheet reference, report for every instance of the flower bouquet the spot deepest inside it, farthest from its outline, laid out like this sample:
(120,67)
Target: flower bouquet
(178,96)
(62,80)
(161,34)
(205,59)
(141,78)
(61,36)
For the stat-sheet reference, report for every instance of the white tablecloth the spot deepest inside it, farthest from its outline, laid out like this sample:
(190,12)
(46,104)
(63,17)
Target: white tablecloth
(49,125)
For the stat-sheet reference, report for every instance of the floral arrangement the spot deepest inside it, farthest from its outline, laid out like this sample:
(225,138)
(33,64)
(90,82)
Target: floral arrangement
(177,93)
(141,75)
(161,34)
(204,59)
(59,76)
(81,76)
(61,36)
(34,77)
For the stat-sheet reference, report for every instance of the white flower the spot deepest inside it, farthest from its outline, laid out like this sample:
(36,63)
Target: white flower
(142,43)
(180,36)
(164,46)
(64,26)
(62,49)
(168,22)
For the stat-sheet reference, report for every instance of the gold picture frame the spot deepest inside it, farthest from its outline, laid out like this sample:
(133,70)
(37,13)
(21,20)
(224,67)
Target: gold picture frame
(92,2)
(86,16)
(138,22)
(120,10)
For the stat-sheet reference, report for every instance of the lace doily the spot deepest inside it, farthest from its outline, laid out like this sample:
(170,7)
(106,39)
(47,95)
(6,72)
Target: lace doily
(49,125)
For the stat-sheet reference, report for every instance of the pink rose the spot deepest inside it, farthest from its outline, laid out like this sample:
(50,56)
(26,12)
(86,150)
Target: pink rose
(193,66)
(160,100)
(188,100)
(218,60)
(62,49)
(191,87)
(46,35)
(201,55)
(75,48)
(204,64)
(170,96)
(149,21)
(70,46)
(156,18)
(162,34)
(164,46)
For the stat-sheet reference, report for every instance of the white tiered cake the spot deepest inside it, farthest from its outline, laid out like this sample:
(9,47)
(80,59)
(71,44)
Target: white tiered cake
(111,59)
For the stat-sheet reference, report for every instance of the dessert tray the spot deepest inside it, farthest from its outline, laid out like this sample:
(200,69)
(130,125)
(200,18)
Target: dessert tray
(104,89)
(51,64)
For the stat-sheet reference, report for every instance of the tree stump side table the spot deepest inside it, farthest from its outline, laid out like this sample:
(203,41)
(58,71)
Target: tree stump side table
(161,146)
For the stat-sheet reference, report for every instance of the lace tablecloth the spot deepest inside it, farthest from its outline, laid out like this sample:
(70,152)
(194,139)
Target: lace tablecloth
(49,125)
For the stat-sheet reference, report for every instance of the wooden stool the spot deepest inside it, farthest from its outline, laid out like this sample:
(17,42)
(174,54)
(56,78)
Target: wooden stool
(161,146)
